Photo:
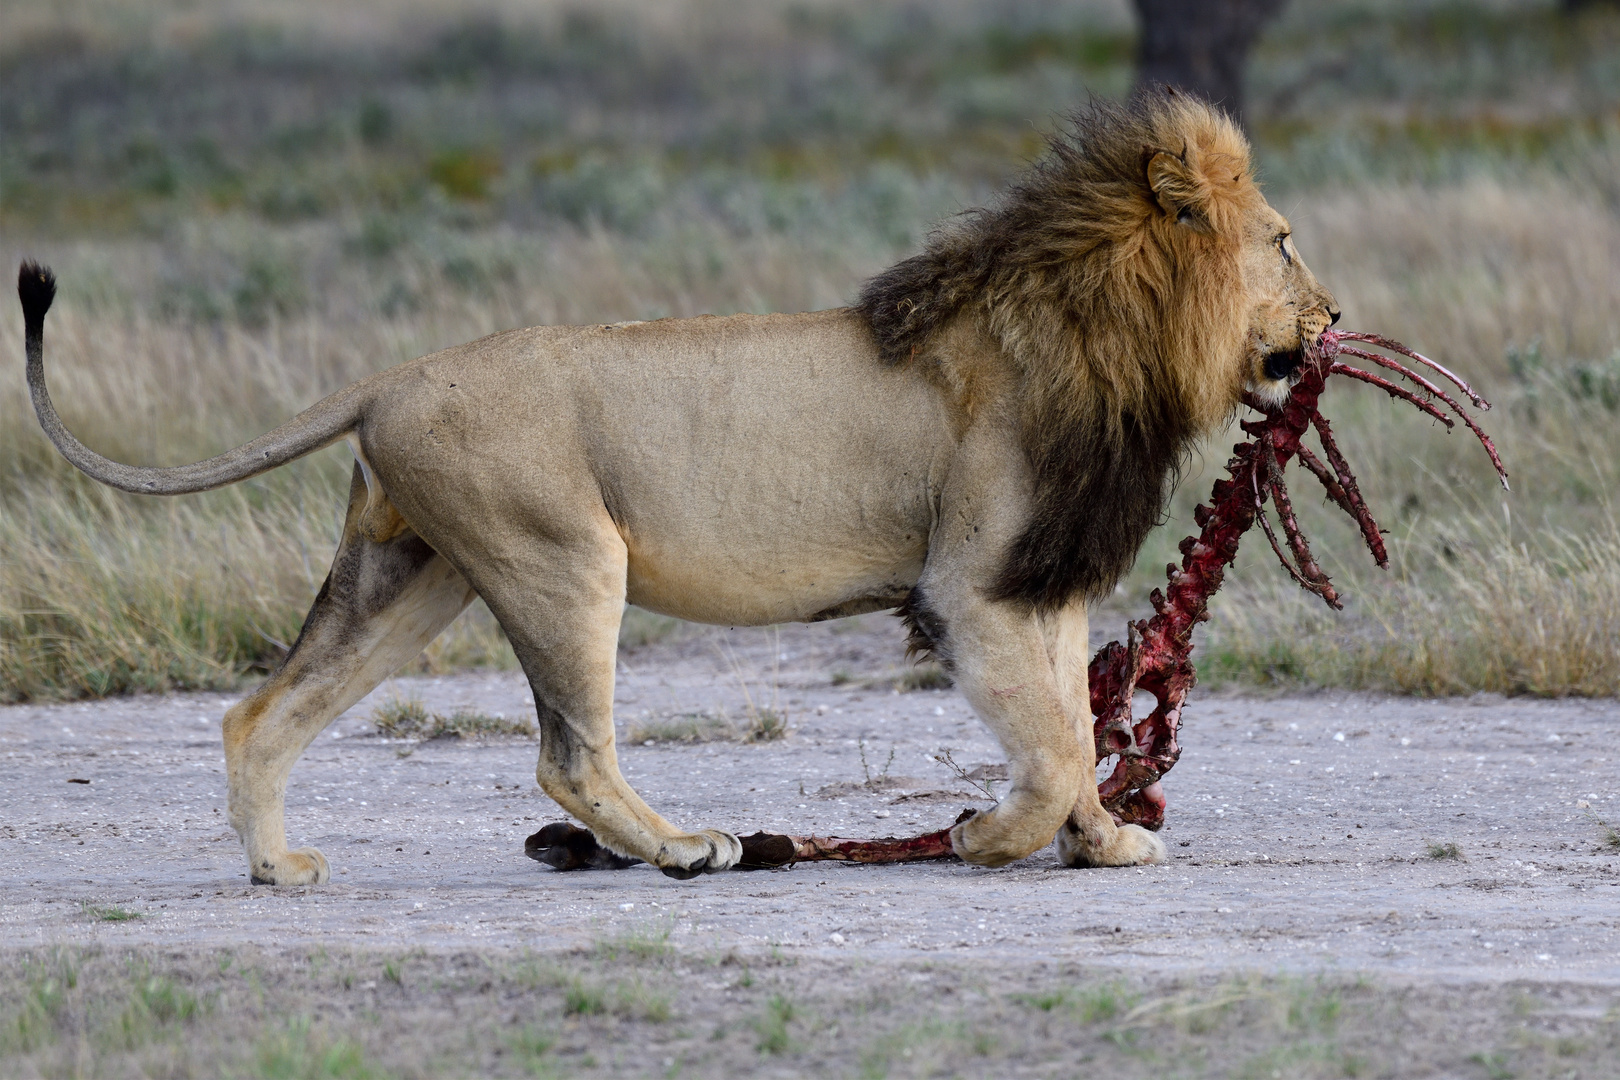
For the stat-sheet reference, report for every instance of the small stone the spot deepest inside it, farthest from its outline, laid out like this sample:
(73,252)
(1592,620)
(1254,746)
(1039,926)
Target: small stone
(836,939)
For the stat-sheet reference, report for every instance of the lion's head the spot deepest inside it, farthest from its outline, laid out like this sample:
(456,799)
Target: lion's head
(1138,282)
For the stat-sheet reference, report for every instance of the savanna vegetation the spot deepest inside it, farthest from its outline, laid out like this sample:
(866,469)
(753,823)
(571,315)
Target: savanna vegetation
(250,205)
(635,1006)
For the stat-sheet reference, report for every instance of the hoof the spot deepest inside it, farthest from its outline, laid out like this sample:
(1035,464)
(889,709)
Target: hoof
(563,845)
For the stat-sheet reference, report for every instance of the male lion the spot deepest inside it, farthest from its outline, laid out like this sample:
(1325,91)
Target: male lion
(983,440)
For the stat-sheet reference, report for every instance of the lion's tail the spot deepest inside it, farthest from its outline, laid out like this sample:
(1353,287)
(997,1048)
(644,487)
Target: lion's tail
(320,425)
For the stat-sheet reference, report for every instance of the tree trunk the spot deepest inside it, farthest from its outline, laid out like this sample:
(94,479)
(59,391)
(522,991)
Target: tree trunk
(1200,46)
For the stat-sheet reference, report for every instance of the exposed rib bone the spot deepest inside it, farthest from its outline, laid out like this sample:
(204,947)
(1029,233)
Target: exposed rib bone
(1265,524)
(1393,390)
(1370,532)
(1462,414)
(1395,346)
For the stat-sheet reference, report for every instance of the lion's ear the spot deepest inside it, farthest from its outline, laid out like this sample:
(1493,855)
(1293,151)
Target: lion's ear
(1178,189)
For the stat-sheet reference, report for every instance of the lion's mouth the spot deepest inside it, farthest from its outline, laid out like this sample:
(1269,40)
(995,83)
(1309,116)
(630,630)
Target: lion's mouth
(1283,363)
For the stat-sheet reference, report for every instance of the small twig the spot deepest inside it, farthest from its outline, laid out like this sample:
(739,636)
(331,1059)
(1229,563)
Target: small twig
(945,758)
(866,770)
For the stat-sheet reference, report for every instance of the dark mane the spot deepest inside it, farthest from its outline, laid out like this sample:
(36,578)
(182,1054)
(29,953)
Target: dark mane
(1069,275)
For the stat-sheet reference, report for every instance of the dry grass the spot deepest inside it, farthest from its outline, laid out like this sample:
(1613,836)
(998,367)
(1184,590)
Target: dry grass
(200,306)
(408,718)
(756,726)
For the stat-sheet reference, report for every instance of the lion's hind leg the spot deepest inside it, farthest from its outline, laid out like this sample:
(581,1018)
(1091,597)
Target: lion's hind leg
(560,600)
(385,598)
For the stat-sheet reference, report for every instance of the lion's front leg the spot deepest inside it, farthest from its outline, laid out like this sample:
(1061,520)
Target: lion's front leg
(998,659)
(1023,670)
(1089,837)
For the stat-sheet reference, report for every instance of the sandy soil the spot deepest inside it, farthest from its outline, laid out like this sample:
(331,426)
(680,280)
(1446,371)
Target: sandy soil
(1300,828)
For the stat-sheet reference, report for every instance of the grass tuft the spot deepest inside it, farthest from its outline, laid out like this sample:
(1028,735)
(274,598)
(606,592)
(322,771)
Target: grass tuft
(1447,850)
(698,727)
(296,1052)
(408,718)
(584,1000)
(926,676)
(110,914)
(772,1025)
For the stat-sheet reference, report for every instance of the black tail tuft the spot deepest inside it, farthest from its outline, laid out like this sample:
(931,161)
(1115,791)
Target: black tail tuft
(36,288)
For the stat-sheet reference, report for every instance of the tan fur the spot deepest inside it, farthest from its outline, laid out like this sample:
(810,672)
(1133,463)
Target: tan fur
(761,469)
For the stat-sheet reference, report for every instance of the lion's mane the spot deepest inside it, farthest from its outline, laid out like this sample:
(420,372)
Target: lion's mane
(1121,311)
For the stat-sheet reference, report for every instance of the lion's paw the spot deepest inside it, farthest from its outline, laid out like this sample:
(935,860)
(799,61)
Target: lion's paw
(707,851)
(306,866)
(994,838)
(1132,845)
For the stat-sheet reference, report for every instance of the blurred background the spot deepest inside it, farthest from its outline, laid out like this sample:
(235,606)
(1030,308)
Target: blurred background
(250,204)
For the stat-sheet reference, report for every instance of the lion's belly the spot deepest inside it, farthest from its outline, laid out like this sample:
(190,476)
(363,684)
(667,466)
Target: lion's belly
(770,478)
(806,571)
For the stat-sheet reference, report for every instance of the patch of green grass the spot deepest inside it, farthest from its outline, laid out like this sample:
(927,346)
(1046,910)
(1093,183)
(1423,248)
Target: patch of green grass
(166,1002)
(1103,1003)
(1045,1001)
(772,1025)
(639,628)
(1496,1065)
(635,1000)
(155,1005)
(761,725)
(1447,850)
(465,174)
(532,1048)
(647,942)
(584,1000)
(393,973)
(294,1052)
(110,914)
(35,1021)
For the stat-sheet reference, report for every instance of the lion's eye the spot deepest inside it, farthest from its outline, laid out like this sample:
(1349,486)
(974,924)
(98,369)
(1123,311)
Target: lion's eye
(1282,246)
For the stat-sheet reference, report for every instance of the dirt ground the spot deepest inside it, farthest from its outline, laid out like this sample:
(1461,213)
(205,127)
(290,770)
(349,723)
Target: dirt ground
(1358,886)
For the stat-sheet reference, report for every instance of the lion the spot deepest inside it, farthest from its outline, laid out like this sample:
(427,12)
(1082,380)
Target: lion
(981,441)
